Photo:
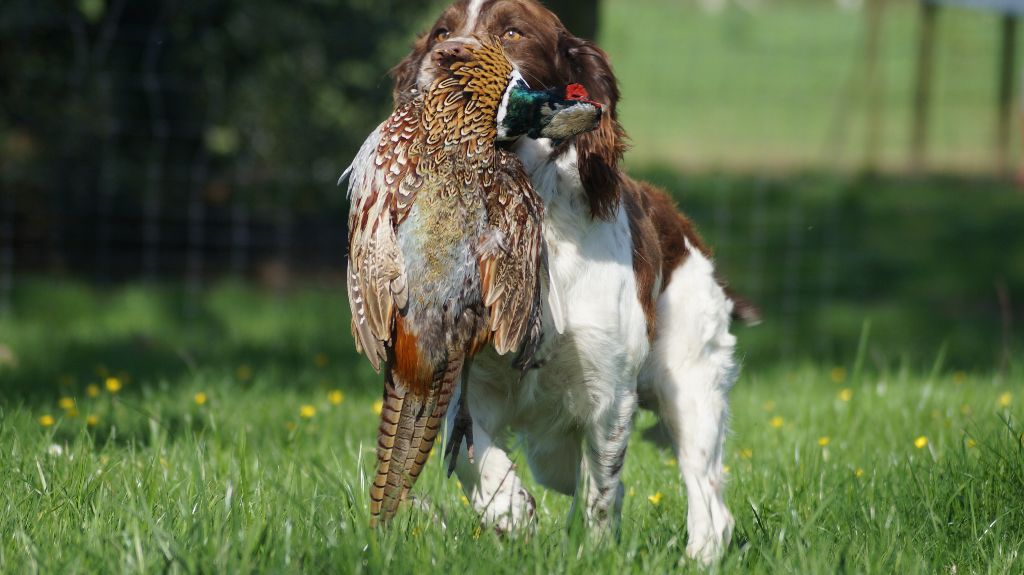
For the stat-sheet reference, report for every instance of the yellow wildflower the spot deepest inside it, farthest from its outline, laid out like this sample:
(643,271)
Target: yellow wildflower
(92,390)
(838,374)
(824,441)
(846,394)
(859,472)
(92,421)
(378,406)
(1005,399)
(113,384)
(244,372)
(320,360)
(200,398)
(971,443)
(921,442)
(46,420)
(671,462)
(777,422)
(746,453)
(656,498)
(464,499)
(307,412)
(336,397)
(726,469)
(66,403)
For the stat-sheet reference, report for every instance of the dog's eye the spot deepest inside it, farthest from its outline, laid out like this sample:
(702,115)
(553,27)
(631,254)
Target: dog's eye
(441,34)
(513,34)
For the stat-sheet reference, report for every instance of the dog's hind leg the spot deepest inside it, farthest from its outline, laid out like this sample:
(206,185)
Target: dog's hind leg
(690,372)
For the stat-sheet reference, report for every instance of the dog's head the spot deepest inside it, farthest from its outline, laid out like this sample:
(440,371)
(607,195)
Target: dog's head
(547,55)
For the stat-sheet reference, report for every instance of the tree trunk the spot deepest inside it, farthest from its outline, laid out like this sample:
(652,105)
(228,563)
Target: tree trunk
(579,16)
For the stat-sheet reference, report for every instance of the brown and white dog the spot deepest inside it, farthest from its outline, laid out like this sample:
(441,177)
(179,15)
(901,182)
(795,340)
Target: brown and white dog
(640,316)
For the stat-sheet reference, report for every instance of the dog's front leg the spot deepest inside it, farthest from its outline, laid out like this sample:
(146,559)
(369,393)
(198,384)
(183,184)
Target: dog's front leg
(604,450)
(490,481)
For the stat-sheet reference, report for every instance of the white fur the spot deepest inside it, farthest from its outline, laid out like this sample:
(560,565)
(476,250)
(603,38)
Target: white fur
(473,13)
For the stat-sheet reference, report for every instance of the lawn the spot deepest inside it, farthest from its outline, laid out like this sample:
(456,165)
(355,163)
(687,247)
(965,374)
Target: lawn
(240,439)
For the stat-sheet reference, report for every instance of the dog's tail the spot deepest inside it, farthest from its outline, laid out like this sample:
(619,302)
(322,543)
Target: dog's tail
(743,309)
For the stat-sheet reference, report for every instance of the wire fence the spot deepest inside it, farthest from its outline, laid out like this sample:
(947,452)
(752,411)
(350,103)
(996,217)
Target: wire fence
(161,141)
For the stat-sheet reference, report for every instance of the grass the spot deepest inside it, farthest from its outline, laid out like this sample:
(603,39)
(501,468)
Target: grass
(828,471)
(783,84)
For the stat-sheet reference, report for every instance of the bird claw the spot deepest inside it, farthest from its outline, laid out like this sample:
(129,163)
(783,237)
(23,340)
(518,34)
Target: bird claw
(462,429)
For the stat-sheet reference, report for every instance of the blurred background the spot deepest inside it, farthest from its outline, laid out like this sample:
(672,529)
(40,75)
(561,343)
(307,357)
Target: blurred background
(168,169)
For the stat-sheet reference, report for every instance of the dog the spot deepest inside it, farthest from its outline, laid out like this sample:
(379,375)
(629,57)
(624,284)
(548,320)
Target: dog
(635,317)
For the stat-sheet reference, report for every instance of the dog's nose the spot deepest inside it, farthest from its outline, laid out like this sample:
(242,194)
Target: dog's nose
(450,51)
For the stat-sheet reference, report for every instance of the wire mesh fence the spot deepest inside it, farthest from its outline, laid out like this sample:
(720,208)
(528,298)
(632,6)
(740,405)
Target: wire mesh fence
(167,141)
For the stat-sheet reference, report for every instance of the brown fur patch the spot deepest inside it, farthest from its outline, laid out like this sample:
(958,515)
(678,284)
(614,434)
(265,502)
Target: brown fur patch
(647,254)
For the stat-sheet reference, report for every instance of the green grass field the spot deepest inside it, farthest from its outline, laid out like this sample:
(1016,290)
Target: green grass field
(241,441)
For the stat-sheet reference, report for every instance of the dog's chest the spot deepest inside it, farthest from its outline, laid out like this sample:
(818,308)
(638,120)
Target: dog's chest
(604,339)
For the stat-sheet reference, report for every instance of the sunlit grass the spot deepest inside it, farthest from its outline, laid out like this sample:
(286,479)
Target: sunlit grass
(186,467)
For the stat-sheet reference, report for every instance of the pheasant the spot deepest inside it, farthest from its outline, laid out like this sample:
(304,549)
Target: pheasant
(445,247)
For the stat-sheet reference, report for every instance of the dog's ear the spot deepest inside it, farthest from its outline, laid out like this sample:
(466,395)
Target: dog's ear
(406,72)
(598,152)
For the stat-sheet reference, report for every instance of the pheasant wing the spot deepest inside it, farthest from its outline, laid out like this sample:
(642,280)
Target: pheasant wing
(382,186)
(510,259)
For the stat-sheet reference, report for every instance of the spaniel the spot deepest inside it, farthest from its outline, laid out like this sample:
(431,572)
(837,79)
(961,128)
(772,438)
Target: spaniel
(635,314)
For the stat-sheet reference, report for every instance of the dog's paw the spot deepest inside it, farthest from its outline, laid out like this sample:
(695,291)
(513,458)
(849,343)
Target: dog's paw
(709,540)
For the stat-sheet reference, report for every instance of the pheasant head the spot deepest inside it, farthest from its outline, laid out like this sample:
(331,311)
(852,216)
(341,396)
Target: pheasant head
(481,96)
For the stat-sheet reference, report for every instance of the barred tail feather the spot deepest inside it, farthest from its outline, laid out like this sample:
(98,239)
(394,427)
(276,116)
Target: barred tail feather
(408,428)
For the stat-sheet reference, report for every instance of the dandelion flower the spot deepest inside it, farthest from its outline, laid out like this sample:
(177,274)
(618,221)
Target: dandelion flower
(838,374)
(777,422)
(307,412)
(244,372)
(746,453)
(336,397)
(320,360)
(971,443)
(92,390)
(1005,399)
(47,420)
(726,469)
(378,407)
(464,499)
(92,421)
(859,472)
(824,441)
(671,462)
(846,394)
(200,398)
(66,403)
(656,498)
(113,384)
(921,442)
